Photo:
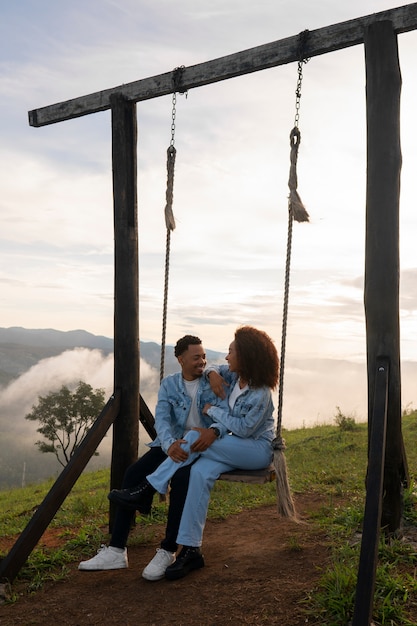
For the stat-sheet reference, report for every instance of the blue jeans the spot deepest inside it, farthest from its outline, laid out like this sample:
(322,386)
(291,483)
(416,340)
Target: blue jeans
(229,452)
(134,475)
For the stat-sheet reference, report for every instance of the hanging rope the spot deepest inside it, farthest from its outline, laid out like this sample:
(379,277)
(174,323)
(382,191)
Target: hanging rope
(170,226)
(296,211)
(169,215)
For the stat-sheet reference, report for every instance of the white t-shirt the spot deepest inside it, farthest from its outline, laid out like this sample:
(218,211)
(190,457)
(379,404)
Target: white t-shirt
(193,419)
(235,393)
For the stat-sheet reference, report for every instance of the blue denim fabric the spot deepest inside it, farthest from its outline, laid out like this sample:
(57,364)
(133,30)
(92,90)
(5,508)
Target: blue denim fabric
(224,454)
(252,414)
(174,405)
(248,447)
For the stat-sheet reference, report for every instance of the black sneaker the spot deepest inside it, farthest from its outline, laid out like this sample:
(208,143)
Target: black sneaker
(132,498)
(188,559)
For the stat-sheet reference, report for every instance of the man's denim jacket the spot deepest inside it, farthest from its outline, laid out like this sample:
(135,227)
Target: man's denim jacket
(174,405)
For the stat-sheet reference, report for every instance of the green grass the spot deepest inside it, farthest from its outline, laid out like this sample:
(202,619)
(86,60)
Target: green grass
(329,460)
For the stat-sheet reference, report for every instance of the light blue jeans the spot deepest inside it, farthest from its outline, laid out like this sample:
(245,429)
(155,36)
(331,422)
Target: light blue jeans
(228,453)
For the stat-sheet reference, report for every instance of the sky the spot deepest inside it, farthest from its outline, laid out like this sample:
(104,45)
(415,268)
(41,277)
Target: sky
(227,262)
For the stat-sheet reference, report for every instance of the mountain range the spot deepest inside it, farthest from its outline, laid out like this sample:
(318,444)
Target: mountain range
(21,348)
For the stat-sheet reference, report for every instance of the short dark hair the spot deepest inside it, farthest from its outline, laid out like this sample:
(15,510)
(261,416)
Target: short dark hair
(183,343)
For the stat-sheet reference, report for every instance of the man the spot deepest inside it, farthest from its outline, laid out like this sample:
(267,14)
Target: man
(181,399)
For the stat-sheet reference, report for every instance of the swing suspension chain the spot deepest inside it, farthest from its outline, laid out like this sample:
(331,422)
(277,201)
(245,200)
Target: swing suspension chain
(170,225)
(164,315)
(278,442)
(177,88)
(298,93)
(174,114)
(169,217)
(302,59)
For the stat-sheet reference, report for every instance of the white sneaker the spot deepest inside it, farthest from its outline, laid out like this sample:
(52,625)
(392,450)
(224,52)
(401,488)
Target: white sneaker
(155,570)
(106,558)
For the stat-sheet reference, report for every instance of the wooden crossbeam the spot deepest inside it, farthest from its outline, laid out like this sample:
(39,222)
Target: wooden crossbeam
(146,418)
(319,41)
(19,553)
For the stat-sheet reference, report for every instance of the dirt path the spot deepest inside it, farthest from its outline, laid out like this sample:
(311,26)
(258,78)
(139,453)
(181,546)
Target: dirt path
(259,568)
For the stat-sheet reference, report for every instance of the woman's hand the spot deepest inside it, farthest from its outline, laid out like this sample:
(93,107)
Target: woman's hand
(217,384)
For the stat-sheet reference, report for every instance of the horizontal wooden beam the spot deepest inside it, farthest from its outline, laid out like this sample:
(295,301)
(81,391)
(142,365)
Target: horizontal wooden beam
(317,42)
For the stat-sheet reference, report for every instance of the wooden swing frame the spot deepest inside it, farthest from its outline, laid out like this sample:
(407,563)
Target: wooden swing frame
(378,32)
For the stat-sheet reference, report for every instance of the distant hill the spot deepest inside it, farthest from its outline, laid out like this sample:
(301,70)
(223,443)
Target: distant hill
(54,338)
(21,348)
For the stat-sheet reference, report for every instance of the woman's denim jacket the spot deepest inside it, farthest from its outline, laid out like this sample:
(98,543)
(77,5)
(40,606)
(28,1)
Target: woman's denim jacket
(252,414)
(174,405)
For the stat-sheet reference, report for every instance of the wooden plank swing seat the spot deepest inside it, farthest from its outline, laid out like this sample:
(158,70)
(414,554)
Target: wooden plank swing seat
(260,476)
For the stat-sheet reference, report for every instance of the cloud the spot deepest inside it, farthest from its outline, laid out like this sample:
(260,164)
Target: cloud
(231,183)
(313,389)
(50,374)
(68,368)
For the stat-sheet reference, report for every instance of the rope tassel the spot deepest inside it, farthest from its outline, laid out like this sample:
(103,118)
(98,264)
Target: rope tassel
(169,214)
(285,502)
(295,204)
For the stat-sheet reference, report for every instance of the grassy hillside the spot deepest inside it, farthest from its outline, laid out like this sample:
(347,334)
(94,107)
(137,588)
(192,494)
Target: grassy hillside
(329,460)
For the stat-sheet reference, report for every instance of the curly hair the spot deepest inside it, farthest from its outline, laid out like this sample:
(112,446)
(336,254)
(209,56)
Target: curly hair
(183,343)
(257,357)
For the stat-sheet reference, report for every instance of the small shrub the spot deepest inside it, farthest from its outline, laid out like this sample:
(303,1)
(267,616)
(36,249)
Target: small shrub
(345,422)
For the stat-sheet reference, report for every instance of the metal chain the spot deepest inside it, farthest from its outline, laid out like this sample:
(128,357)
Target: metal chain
(176,83)
(298,93)
(301,60)
(174,114)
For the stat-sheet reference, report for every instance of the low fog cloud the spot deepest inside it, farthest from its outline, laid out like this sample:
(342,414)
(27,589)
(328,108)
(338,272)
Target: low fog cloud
(313,389)
(49,375)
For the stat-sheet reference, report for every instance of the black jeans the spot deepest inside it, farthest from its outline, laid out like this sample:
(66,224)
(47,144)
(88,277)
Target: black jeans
(134,475)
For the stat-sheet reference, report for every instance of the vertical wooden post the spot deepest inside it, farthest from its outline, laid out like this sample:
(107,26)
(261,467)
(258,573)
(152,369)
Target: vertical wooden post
(365,585)
(126,288)
(382,267)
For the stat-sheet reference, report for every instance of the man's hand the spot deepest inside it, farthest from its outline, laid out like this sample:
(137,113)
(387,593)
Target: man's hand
(218,384)
(176,453)
(206,438)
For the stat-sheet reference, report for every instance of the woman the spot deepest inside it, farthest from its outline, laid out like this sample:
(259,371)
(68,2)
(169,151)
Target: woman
(243,428)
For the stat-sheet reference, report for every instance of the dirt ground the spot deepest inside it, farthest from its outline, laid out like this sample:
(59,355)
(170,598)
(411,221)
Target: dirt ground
(259,569)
